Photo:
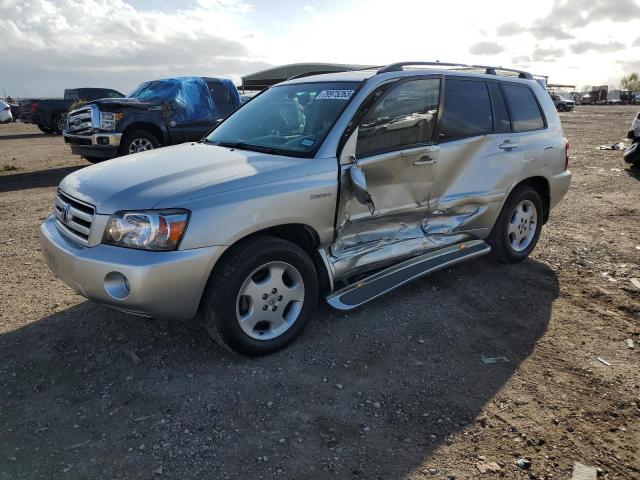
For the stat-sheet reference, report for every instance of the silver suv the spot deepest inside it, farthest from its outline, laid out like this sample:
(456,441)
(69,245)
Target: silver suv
(345,185)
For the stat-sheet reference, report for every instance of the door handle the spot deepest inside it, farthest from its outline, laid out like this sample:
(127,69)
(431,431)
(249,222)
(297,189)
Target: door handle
(425,160)
(508,145)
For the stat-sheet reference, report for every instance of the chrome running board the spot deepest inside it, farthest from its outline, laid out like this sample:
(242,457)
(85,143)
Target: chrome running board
(384,281)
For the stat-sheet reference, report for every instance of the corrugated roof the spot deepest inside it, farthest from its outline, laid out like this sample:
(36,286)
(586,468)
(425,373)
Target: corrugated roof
(283,72)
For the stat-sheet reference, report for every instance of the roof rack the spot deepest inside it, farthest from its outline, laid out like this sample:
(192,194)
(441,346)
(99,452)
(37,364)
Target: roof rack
(398,67)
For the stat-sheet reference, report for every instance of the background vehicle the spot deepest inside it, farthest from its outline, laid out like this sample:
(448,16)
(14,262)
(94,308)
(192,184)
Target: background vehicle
(563,104)
(5,112)
(156,114)
(596,96)
(632,153)
(48,114)
(305,191)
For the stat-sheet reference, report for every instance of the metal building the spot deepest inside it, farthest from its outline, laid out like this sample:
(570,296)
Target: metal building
(266,78)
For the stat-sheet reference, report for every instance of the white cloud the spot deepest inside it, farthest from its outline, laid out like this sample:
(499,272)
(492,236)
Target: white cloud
(589,46)
(508,29)
(486,48)
(46,45)
(111,43)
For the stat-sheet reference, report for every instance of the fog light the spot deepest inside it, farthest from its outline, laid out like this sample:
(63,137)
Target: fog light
(117,285)
(103,140)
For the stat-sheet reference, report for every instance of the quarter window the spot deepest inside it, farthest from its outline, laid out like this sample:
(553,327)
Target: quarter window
(467,109)
(525,111)
(405,117)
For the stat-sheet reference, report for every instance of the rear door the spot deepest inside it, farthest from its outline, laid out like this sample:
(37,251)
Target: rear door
(478,158)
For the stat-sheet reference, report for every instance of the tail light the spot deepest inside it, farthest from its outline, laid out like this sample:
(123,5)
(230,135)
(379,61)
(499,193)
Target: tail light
(34,107)
(566,154)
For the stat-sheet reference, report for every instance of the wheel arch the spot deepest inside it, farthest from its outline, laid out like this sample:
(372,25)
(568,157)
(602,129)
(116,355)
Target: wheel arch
(300,234)
(541,185)
(152,128)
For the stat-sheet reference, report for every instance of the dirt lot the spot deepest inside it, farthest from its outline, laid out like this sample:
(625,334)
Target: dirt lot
(395,390)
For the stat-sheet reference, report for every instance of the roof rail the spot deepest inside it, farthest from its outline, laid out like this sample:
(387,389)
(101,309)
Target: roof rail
(398,67)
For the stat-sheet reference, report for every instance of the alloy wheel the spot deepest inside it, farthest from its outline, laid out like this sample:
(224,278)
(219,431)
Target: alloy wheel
(270,300)
(522,225)
(140,145)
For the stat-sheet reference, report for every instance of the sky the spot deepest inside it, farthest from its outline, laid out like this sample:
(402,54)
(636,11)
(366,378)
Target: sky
(49,45)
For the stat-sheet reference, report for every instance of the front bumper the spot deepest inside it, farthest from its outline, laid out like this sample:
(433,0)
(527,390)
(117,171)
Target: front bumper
(33,118)
(99,145)
(165,285)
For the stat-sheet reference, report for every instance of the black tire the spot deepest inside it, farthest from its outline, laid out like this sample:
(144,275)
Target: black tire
(57,124)
(94,159)
(137,136)
(501,247)
(221,296)
(44,129)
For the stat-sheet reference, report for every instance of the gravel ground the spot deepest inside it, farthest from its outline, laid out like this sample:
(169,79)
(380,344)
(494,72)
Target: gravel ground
(394,390)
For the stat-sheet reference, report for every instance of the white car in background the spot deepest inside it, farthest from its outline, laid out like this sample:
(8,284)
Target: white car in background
(5,112)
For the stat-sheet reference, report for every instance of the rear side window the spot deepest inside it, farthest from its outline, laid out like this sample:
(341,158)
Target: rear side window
(405,117)
(71,95)
(466,111)
(501,122)
(222,98)
(525,111)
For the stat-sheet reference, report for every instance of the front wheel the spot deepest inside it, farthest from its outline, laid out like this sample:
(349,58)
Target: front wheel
(138,141)
(261,297)
(58,124)
(517,229)
(44,129)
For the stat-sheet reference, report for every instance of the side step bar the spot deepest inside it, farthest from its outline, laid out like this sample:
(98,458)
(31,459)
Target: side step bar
(389,279)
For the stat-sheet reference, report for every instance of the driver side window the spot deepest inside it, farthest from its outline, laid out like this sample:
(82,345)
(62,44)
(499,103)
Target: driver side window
(405,117)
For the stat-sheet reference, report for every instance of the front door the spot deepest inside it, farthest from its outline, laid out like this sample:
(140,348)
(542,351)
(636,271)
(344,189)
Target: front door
(393,149)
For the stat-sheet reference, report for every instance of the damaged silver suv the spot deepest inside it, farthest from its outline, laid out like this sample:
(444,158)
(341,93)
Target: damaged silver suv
(344,185)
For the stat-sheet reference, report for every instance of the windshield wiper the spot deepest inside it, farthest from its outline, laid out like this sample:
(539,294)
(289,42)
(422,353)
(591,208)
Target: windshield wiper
(245,146)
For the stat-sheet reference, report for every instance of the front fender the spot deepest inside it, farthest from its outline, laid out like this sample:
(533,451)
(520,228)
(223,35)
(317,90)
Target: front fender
(131,119)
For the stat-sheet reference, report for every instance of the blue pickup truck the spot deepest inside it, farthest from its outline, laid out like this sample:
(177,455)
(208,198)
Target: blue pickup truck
(156,114)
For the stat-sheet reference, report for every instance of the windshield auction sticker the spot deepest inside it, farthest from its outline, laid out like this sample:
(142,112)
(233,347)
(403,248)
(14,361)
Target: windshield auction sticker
(334,95)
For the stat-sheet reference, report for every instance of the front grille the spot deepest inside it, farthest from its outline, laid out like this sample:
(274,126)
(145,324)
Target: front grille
(81,120)
(79,217)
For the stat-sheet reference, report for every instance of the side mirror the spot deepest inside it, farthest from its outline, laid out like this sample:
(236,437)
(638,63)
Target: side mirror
(359,187)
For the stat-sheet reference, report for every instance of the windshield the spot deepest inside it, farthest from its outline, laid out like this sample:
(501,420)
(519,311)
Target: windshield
(286,119)
(153,91)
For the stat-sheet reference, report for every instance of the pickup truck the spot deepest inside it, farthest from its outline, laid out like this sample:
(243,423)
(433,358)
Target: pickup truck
(563,104)
(48,113)
(156,114)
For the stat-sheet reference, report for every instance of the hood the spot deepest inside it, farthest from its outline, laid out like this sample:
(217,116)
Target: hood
(123,102)
(143,180)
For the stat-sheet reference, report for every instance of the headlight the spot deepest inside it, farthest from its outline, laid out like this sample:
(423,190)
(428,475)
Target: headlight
(108,120)
(146,230)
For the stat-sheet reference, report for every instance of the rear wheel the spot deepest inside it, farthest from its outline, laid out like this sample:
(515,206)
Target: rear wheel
(516,232)
(138,141)
(261,297)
